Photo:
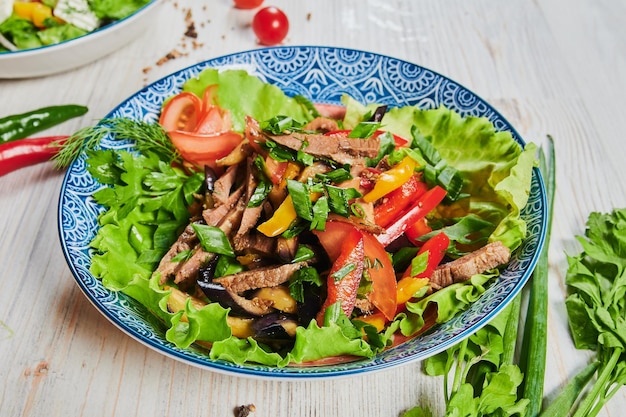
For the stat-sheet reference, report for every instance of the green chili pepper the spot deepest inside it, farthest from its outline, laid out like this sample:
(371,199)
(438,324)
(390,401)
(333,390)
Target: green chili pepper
(20,126)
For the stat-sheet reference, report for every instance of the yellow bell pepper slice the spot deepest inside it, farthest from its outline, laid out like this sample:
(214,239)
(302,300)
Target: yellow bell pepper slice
(391,179)
(33,11)
(408,286)
(280,221)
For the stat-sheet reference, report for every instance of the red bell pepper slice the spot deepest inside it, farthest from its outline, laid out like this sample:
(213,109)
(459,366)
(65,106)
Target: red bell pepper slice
(424,205)
(345,275)
(436,247)
(398,200)
(419,229)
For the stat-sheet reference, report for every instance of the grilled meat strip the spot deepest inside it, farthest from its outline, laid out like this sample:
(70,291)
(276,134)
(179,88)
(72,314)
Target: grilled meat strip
(270,276)
(488,257)
(336,147)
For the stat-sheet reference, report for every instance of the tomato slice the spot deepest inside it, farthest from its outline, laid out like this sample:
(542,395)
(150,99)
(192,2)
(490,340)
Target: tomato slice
(345,275)
(214,120)
(203,150)
(382,274)
(377,265)
(182,112)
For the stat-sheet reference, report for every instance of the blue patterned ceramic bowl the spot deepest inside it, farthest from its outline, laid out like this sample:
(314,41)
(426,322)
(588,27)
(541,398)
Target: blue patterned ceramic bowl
(323,75)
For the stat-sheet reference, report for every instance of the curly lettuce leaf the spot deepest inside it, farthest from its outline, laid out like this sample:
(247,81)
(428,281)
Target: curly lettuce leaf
(246,95)
(497,172)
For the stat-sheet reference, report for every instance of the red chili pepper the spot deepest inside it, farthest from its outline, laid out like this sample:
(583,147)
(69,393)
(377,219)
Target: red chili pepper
(421,208)
(25,152)
(398,200)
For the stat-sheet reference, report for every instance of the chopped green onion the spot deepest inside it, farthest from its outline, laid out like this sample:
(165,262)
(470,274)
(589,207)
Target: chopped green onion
(213,239)
(320,214)
(343,271)
(364,130)
(301,199)
(338,199)
(335,176)
(303,253)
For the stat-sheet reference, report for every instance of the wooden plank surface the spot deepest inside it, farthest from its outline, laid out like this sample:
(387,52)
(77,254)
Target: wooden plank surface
(549,66)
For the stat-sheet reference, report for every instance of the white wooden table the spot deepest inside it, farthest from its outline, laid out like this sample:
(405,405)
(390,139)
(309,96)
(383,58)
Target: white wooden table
(550,66)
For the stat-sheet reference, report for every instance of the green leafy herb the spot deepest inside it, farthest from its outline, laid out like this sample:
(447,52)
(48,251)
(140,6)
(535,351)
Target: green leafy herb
(364,130)
(279,124)
(300,278)
(148,137)
(596,281)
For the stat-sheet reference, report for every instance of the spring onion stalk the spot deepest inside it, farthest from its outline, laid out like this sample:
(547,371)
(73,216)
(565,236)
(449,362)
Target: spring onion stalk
(532,360)
(567,397)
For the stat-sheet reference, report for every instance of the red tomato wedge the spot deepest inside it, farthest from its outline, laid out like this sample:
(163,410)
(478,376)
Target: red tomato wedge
(213,120)
(203,150)
(199,129)
(345,275)
(383,277)
(377,264)
(182,112)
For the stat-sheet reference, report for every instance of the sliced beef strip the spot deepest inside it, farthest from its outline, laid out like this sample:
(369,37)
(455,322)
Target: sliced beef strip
(488,257)
(186,241)
(223,185)
(250,215)
(214,216)
(336,147)
(270,276)
(255,243)
(188,272)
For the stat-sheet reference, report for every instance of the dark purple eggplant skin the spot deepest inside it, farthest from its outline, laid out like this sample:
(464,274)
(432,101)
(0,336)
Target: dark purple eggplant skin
(218,294)
(269,327)
(308,309)
(209,178)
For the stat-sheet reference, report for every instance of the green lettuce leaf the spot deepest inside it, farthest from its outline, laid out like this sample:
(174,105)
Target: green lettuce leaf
(246,95)
(497,172)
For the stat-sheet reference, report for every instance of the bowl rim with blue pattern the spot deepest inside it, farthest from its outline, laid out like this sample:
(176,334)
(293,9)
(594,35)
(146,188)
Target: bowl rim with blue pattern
(322,74)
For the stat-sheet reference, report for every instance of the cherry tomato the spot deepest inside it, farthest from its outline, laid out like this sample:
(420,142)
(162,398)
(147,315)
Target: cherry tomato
(247,4)
(270,25)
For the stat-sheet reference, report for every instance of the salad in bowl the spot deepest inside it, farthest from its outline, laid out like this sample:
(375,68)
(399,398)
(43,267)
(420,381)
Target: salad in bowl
(27,24)
(265,230)
(40,38)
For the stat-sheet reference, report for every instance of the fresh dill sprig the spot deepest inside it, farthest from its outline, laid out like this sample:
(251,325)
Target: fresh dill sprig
(147,137)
